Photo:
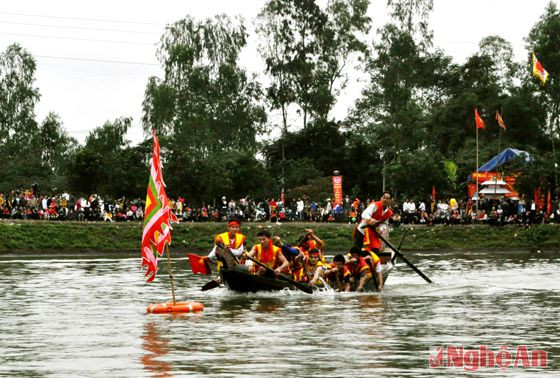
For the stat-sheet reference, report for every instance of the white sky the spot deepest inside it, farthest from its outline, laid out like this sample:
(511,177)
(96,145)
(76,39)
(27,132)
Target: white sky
(79,80)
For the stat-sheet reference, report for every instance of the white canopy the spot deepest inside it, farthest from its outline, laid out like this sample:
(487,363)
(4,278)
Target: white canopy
(494,190)
(493,182)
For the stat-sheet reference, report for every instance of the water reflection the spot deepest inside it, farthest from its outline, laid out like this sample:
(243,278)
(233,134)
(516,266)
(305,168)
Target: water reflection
(155,347)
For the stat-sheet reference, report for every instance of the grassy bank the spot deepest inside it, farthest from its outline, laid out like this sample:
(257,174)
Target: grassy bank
(50,237)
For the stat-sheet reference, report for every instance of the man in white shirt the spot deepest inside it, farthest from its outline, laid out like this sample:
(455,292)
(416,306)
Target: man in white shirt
(299,209)
(376,215)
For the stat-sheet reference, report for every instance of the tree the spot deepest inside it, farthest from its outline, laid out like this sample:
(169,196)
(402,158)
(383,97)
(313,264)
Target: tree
(17,100)
(306,50)
(55,143)
(390,113)
(544,41)
(205,108)
(107,165)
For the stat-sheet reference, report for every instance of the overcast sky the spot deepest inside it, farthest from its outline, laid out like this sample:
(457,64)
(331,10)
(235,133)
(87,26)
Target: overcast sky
(94,58)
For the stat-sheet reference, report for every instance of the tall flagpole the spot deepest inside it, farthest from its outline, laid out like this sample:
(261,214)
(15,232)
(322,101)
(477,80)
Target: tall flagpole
(477,194)
(499,149)
(170,274)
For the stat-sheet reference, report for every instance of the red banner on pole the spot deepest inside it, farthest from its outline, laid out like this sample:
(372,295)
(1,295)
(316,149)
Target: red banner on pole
(337,188)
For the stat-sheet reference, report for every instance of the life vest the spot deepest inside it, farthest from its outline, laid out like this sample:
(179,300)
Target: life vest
(299,274)
(374,258)
(268,256)
(343,275)
(371,241)
(234,243)
(355,269)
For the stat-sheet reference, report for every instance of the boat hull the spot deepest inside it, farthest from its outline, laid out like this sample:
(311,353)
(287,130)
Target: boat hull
(239,279)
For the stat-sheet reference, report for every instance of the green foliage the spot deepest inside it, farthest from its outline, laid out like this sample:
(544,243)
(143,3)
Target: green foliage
(450,168)
(107,165)
(206,111)
(412,127)
(317,189)
(306,49)
(50,237)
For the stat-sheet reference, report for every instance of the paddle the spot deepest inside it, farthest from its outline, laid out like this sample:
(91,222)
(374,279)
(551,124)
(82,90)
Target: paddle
(400,245)
(303,287)
(403,258)
(210,285)
(220,254)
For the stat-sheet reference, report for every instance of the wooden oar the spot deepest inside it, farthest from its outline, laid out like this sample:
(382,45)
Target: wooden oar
(403,258)
(303,287)
(400,245)
(210,285)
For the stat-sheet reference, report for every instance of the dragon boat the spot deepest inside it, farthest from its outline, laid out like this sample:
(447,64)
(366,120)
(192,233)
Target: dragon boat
(236,276)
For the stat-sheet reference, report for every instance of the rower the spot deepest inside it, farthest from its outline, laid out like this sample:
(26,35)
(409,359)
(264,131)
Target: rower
(337,274)
(315,267)
(359,271)
(268,254)
(310,241)
(232,239)
(295,257)
(374,263)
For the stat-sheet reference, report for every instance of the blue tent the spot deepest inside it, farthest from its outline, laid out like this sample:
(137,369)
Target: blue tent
(503,157)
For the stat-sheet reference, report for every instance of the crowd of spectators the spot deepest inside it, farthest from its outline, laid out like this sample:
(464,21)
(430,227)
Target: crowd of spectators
(29,204)
(496,212)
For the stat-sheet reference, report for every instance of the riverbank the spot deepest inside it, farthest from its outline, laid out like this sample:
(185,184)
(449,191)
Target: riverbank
(53,237)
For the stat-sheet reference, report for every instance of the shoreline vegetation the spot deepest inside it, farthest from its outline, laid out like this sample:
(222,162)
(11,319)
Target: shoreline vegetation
(50,238)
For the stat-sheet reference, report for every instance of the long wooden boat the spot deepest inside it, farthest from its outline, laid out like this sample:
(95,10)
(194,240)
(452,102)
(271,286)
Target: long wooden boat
(237,277)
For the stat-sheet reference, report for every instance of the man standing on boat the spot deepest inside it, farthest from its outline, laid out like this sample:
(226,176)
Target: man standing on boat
(375,218)
(267,254)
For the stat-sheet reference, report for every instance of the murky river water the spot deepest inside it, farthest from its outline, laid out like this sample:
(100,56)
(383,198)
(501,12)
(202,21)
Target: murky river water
(85,316)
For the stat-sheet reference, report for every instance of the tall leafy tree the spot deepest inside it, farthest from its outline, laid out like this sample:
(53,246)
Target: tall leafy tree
(391,111)
(55,143)
(107,164)
(544,40)
(19,147)
(306,49)
(205,107)
(18,97)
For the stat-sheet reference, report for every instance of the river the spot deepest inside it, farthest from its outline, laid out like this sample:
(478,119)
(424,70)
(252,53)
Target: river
(78,315)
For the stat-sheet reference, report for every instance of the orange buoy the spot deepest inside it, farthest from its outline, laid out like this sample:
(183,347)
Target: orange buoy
(164,308)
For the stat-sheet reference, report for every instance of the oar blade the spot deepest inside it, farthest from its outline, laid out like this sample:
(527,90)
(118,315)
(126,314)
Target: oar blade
(403,258)
(210,285)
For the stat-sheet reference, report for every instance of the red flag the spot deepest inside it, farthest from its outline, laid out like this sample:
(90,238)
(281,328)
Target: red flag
(199,264)
(158,216)
(479,122)
(433,193)
(500,120)
(539,71)
(537,201)
(549,204)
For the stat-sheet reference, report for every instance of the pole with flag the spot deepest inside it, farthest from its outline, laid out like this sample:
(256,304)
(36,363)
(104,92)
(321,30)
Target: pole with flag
(539,71)
(158,216)
(156,236)
(479,125)
(502,125)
